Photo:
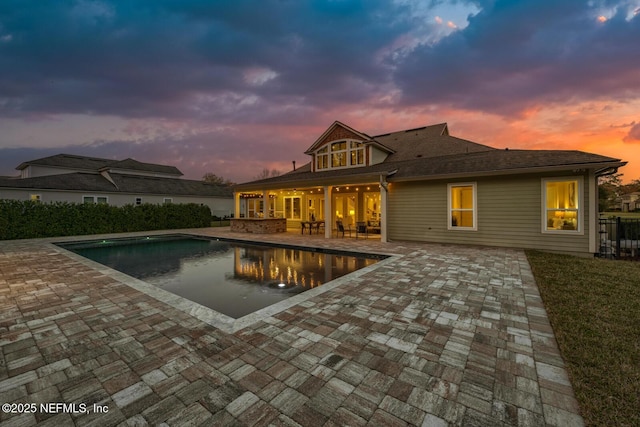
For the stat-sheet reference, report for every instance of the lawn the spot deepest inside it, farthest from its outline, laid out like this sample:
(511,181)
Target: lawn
(594,308)
(620,214)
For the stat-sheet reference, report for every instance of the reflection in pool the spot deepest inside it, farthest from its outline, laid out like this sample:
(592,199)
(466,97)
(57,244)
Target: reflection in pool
(233,278)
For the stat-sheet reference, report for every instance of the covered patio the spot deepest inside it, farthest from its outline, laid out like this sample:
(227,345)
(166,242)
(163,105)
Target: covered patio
(351,209)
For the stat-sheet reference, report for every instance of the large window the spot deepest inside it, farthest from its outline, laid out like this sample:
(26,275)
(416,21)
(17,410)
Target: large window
(292,207)
(562,202)
(340,154)
(462,206)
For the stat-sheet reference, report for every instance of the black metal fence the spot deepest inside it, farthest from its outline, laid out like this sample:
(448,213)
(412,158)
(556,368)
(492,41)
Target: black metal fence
(620,238)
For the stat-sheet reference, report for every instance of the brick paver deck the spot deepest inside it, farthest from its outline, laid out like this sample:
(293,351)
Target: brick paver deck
(441,335)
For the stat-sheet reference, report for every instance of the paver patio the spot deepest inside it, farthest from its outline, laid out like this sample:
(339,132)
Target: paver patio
(440,335)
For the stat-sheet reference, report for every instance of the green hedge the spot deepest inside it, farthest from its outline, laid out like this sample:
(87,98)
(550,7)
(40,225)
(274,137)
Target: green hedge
(28,219)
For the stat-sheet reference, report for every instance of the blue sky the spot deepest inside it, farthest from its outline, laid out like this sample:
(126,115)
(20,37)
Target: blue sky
(233,87)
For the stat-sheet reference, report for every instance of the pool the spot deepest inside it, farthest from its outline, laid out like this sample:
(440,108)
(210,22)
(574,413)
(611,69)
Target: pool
(234,278)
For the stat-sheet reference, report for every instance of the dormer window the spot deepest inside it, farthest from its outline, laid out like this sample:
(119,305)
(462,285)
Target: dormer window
(340,154)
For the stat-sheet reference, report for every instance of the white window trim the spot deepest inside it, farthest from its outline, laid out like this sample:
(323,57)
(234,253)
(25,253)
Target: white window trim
(95,198)
(474,187)
(580,210)
(167,200)
(347,152)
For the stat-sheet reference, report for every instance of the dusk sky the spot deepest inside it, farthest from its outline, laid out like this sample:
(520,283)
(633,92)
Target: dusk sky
(234,87)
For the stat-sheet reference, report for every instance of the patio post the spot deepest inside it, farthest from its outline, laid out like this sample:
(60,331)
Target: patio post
(383,208)
(328,228)
(236,207)
(265,204)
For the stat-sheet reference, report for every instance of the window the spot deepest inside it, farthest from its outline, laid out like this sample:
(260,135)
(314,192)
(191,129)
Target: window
(292,208)
(138,201)
(462,207)
(357,153)
(322,158)
(167,200)
(562,204)
(35,198)
(95,199)
(340,154)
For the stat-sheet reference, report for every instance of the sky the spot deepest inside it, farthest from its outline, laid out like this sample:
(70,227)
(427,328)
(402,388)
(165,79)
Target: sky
(236,87)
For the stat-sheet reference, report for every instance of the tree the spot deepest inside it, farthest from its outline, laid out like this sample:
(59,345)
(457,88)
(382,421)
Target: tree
(608,191)
(215,179)
(266,173)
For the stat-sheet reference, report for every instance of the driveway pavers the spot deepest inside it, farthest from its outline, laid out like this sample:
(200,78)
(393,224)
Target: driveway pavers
(438,336)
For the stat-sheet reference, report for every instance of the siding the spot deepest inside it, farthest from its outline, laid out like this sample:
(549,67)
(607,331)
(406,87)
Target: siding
(509,215)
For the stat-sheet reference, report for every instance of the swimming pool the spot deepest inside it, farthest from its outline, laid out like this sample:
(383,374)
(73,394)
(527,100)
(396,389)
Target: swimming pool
(231,277)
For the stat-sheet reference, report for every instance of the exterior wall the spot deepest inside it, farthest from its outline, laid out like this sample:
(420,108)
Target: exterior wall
(339,133)
(219,206)
(509,214)
(377,156)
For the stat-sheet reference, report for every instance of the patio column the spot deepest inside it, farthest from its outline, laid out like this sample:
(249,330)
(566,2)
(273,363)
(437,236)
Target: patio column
(383,209)
(236,205)
(328,227)
(265,204)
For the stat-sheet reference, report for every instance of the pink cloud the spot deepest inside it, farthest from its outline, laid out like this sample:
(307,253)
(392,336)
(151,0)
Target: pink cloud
(634,134)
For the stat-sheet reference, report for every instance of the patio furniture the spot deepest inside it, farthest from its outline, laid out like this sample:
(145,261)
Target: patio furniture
(361,228)
(341,229)
(303,226)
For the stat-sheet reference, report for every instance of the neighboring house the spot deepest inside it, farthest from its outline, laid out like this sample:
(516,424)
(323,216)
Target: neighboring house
(425,185)
(630,202)
(80,179)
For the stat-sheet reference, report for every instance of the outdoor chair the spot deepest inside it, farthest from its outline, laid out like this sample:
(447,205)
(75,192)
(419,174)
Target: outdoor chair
(340,228)
(361,228)
(304,225)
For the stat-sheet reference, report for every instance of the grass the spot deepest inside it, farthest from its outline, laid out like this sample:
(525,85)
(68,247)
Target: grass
(620,214)
(594,308)
(221,223)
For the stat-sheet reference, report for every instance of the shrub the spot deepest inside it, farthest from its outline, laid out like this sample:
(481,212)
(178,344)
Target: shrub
(29,219)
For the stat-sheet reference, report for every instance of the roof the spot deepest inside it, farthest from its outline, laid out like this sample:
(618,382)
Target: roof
(91,182)
(71,161)
(429,152)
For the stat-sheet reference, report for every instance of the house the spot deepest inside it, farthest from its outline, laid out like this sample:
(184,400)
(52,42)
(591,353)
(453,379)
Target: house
(425,185)
(81,179)
(630,202)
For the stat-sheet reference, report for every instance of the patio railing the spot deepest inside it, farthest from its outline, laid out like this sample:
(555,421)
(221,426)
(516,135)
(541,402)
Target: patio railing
(620,238)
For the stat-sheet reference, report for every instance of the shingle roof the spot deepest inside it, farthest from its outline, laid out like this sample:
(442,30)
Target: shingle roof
(430,152)
(487,162)
(68,161)
(132,164)
(72,161)
(125,184)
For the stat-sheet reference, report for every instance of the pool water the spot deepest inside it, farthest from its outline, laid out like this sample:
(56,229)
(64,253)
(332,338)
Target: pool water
(233,278)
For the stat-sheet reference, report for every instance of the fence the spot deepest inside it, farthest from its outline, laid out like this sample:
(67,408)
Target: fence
(620,238)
